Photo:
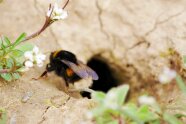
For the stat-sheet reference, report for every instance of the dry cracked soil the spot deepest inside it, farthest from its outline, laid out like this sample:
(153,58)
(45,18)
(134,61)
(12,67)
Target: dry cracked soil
(126,35)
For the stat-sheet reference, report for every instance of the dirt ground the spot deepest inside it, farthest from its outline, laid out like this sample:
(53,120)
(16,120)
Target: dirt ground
(128,35)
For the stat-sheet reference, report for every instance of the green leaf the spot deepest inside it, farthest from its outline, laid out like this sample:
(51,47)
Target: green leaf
(155,122)
(181,84)
(25,47)
(184,59)
(171,119)
(6,76)
(113,122)
(1,53)
(98,112)
(130,111)
(156,108)
(2,46)
(19,39)
(19,64)
(140,115)
(180,115)
(8,43)
(16,53)
(9,63)
(133,123)
(105,118)
(5,42)
(3,116)
(145,114)
(117,95)
(122,93)
(21,69)
(16,76)
(98,96)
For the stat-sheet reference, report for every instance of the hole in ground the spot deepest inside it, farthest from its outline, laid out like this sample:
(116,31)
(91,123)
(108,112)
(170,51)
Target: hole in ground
(106,78)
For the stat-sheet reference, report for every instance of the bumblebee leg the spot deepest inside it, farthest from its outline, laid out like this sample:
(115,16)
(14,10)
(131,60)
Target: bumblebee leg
(66,80)
(66,90)
(63,75)
(42,75)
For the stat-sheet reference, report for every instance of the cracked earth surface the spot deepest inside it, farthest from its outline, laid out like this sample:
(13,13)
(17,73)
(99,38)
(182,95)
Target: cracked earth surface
(127,34)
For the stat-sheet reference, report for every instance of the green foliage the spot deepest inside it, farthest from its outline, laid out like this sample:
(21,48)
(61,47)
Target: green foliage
(184,59)
(140,115)
(3,116)
(171,119)
(12,57)
(181,83)
(112,108)
(19,40)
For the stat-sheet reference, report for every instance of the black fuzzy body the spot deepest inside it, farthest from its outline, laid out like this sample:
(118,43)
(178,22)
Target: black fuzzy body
(60,68)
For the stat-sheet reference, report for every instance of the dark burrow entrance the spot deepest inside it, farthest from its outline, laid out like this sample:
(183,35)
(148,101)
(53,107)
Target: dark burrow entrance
(106,79)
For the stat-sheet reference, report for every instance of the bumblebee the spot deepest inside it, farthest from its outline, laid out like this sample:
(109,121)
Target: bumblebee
(66,65)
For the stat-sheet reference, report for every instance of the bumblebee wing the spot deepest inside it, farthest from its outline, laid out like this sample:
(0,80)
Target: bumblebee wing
(88,70)
(81,70)
(77,69)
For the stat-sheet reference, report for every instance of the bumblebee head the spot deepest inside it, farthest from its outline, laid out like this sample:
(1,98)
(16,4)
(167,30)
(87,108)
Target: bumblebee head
(49,67)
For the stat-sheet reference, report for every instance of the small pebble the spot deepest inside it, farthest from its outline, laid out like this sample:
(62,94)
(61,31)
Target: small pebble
(26,97)
(13,119)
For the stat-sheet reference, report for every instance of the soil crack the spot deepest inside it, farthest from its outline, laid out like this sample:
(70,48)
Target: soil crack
(157,23)
(100,11)
(43,115)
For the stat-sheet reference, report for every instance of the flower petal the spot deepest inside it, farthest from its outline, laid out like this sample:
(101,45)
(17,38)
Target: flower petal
(41,56)
(146,100)
(58,13)
(29,64)
(39,64)
(167,75)
(29,55)
(35,50)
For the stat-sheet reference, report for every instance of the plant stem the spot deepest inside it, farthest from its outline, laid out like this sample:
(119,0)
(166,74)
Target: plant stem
(65,4)
(47,23)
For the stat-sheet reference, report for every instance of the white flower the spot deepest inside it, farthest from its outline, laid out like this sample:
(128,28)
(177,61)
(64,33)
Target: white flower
(167,75)
(146,100)
(57,13)
(39,64)
(29,55)
(35,50)
(40,57)
(34,57)
(49,12)
(29,64)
